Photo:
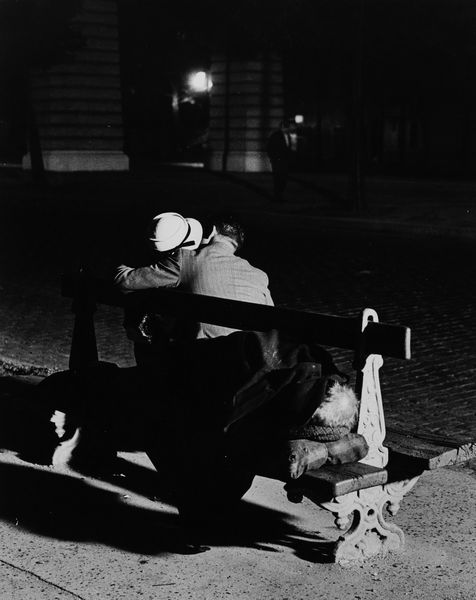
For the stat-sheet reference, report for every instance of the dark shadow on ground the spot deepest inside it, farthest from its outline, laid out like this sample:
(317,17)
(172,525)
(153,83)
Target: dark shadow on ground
(27,431)
(25,426)
(59,505)
(255,526)
(67,508)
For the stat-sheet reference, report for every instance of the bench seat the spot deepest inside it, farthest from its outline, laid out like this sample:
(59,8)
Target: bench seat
(337,480)
(409,456)
(426,451)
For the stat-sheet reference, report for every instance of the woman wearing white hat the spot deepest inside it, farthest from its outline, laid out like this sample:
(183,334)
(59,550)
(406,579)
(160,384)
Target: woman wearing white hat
(170,231)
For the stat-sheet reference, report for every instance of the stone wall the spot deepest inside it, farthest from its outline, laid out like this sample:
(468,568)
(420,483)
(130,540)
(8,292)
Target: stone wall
(78,104)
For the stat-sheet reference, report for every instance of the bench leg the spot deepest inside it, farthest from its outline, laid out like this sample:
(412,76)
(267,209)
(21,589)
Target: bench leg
(369,533)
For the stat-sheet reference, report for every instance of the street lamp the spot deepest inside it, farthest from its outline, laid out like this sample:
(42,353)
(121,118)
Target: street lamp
(199,82)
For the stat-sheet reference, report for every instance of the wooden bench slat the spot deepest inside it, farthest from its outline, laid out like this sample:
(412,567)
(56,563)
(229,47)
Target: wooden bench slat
(337,480)
(327,330)
(388,340)
(429,452)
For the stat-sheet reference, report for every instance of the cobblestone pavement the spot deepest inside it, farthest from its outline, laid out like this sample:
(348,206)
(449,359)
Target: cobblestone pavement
(426,282)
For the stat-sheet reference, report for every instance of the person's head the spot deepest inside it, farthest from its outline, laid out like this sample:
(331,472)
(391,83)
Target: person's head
(288,125)
(339,408)
(170,231)
(230,228)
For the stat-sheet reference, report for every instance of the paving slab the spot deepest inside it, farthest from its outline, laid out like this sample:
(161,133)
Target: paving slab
(64,535)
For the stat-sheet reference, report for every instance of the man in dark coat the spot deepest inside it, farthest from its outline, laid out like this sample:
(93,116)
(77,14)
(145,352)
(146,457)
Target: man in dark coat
(222,409)
(211,416)
(281,145)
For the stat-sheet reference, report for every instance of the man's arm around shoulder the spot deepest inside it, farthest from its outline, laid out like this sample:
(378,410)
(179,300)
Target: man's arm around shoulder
(164,273)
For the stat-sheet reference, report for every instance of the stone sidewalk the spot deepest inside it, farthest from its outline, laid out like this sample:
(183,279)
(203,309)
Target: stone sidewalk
(63,536)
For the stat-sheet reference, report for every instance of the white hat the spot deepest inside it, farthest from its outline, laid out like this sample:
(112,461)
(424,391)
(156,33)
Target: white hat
(170,231)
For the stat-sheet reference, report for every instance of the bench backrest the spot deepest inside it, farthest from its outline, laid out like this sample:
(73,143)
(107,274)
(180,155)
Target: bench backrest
(329,330)
(368,338)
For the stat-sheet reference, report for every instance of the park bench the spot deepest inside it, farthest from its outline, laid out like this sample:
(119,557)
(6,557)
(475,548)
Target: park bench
(358,494)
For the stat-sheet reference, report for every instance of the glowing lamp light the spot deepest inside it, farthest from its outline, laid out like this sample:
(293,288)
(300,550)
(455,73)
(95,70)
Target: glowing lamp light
(200,82)
(299,119)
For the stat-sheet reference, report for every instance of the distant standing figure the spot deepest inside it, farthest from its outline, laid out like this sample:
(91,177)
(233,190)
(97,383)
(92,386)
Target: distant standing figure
(281,145)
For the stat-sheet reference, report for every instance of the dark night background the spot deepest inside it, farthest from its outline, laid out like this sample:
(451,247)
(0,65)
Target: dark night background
(393,79)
